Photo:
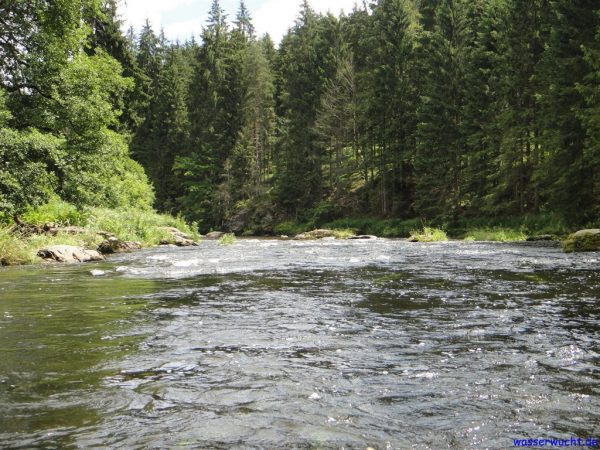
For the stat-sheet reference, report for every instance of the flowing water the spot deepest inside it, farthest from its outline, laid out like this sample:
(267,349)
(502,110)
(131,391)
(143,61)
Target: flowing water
(287,344)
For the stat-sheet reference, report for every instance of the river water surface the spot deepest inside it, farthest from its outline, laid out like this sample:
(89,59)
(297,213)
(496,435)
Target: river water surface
(287,344)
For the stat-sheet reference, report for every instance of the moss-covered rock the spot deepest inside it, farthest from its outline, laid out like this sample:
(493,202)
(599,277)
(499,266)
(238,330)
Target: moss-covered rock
(322,234)
(583,241)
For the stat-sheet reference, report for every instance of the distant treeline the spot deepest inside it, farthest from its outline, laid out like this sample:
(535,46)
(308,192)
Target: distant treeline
(439,109)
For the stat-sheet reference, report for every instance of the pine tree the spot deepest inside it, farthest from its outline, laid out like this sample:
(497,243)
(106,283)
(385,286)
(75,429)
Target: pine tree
(336,124)
(439,160)
(569,173)
(393,106)
(211,135)
(301,81)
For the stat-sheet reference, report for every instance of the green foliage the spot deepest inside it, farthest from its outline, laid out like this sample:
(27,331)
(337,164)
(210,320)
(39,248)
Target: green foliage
(495,234)
(377,227)
(445,110)
(530,225)
(25,179)
(56,211)
(290,228)
(343,233)
(228,239)
(13,251)
(428,234)
(136,225)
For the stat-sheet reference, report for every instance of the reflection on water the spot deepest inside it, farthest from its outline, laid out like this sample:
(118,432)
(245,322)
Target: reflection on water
(303,344)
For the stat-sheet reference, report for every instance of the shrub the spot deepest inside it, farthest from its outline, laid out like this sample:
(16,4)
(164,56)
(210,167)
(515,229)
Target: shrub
(227,239)
(428,234)
(496,235)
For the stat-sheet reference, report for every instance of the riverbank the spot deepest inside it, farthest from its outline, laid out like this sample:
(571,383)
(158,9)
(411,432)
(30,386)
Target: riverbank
(86,228)
(474,229)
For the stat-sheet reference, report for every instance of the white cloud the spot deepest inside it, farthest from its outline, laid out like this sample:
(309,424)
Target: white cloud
(277,16)
(135,12)
(184,30)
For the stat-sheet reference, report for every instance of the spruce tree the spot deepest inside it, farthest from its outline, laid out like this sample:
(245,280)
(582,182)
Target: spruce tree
(439,161)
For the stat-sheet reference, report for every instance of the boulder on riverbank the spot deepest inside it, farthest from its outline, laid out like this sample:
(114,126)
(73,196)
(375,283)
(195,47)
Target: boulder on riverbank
(114,245)
(69,254)
(178,238)
(214,235)
(583,241)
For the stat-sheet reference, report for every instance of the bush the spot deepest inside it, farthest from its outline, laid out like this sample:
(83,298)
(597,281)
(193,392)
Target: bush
(428,234)
(146,227)
(496,235)
(289,228)
(377,227)
(56,211)
(13,250)
(227,239)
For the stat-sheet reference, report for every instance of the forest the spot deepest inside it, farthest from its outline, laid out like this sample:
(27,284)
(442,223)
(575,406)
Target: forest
(436,110)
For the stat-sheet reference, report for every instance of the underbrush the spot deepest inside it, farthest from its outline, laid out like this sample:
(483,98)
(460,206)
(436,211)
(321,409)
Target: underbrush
(377,227)
(145,227)
(428,234)
(513,228)
(228,239)
(496,235)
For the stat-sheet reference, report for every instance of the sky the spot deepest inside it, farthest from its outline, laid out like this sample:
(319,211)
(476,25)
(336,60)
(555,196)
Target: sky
(183,18)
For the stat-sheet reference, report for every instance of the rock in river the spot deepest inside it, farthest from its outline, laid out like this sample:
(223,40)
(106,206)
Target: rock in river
(69,254)
(583,241)
(315,234)
(114,245)
(178,238)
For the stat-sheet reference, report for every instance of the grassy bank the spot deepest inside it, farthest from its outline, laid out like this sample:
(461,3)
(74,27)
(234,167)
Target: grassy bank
(474,229)
(145,227)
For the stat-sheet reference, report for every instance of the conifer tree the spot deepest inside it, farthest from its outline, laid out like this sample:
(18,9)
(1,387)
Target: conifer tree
(569,172)
(439,160)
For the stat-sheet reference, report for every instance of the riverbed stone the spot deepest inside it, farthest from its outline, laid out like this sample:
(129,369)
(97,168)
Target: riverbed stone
(115,245)
(69,254)
(178,238)
(363,237)
(583,241)
(214,235)
(315,234)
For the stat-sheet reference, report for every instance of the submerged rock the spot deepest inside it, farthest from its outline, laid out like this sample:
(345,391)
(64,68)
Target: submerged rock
(583,241)
(114,245)
(364,237)
(69,254)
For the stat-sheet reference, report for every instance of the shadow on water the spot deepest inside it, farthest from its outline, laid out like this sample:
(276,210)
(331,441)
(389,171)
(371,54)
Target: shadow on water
(57,325)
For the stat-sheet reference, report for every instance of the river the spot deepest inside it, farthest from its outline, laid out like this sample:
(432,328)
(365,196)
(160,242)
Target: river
(290,344)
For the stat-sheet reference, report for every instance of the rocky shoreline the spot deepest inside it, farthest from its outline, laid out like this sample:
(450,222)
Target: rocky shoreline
(581,241)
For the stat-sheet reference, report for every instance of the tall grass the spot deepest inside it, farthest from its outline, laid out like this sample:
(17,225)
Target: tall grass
(428,234)
(496,234)
(377,227)
(146,227)
(13,251)
(228,239)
